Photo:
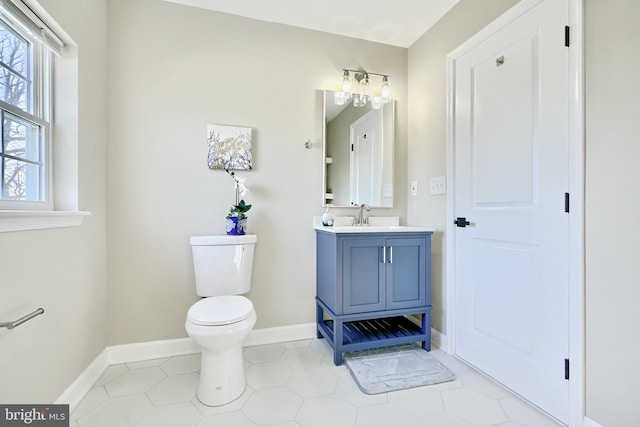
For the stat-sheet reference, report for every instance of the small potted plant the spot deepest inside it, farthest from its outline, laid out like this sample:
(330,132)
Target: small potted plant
(237,216)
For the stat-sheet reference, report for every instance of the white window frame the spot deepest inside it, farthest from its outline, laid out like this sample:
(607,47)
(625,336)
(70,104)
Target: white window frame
(46,181)
(31,21)
(38,106)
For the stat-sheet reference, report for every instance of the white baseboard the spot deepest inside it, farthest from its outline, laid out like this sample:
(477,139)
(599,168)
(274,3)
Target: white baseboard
(264,336)
(439,340)
(587,422)
(77,390)
(149,350)
(126,353)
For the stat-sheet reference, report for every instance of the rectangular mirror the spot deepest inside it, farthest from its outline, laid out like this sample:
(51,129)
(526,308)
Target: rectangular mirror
(358,154)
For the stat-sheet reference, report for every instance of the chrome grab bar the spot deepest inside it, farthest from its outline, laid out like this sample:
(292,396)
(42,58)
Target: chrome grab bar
(20,321)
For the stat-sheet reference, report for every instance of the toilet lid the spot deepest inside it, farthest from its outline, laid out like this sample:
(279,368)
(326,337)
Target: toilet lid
(222,310)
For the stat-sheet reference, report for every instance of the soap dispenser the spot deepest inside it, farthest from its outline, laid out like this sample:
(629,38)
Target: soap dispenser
(327,218)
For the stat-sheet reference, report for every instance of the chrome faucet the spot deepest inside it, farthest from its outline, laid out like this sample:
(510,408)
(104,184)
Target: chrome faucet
(362,219)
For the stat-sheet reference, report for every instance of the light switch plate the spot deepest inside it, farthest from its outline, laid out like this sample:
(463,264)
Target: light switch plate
(438,185)
(414,188)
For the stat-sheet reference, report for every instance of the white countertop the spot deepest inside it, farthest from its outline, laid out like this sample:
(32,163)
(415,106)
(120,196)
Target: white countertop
(374,229)
(377,225)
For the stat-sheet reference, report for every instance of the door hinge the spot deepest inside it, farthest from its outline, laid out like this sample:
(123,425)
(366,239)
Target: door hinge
(567,33)
(351,147)
(566,369)
(566,202)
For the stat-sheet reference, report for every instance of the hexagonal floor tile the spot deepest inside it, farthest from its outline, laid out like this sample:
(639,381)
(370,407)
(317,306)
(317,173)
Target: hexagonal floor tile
(135,381)
(473,407)
(302,358)
(182,364)
(349,391)
(94,398)
(312,382)
(230,419)
(266,375)
(180,414)
(523,414)
(295,344)
(174,389)
(298,385)
(272,406)
(328,365)
(384,415)
(417,401)
(236,405)
(145,363)
(478,382)
(112,372)
(263,353)
(443,419)
(118,411)
(326,411)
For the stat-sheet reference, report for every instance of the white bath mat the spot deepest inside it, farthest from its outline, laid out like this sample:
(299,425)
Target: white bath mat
(395,368)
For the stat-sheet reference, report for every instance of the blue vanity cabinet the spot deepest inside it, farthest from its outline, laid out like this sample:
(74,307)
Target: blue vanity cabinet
(367,284)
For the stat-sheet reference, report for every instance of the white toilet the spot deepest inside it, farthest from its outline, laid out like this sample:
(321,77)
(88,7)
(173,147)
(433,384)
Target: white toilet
(220,322)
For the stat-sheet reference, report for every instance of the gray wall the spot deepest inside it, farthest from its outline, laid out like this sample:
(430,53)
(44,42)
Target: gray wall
(173,70)
(612,204)
(62,270)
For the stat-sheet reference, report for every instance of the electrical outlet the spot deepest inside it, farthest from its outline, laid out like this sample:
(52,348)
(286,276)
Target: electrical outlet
(414,188)
(438,185)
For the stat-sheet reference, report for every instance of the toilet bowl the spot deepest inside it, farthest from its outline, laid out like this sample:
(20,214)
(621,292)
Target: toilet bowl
(219,325)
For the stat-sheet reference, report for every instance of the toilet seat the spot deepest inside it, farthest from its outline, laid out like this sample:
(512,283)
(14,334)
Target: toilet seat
(221,310)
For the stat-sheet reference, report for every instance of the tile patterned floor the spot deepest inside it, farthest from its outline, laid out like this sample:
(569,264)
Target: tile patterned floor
(295,384)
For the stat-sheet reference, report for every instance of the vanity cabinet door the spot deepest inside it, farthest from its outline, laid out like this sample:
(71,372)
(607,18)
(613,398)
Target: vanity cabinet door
(363,275)
(407,270)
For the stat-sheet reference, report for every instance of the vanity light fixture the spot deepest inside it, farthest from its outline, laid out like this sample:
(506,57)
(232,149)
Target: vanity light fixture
(346,82)
(360,97)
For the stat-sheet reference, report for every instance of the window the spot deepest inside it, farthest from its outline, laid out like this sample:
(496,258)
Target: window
(29,52)
(25,109)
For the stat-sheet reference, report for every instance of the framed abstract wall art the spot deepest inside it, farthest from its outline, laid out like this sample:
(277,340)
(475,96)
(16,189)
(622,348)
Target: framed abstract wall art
(229,147)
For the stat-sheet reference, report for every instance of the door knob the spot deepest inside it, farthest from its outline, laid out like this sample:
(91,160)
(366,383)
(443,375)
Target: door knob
(461,222)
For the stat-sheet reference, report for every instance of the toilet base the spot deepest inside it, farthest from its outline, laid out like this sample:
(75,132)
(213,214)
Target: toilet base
(222,378)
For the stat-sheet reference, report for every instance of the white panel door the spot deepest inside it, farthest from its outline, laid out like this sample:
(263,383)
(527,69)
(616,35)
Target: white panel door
(511,174)
(366,159)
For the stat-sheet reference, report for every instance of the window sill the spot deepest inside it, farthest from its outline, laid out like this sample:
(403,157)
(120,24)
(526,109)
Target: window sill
(36,220)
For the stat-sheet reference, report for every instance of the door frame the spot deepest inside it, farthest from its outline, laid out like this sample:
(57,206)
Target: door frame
(576,189)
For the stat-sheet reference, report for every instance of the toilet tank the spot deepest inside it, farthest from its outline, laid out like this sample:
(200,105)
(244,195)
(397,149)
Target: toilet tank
(222,264)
